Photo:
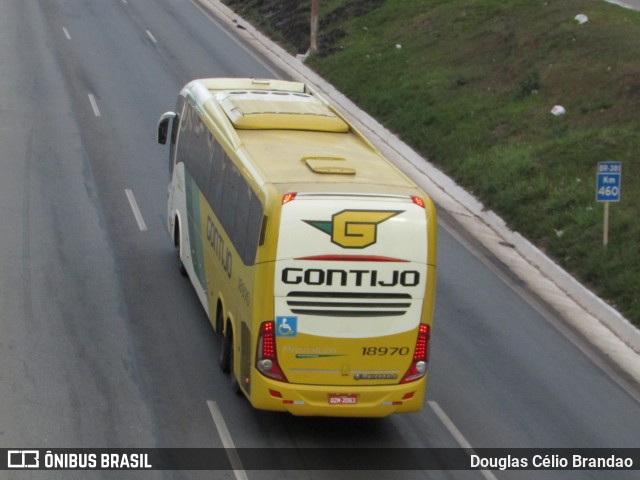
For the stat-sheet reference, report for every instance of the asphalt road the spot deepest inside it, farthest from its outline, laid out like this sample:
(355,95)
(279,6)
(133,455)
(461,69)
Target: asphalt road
(103,343)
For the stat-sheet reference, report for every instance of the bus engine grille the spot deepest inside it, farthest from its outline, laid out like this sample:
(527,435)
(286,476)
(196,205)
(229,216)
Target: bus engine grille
(348,304)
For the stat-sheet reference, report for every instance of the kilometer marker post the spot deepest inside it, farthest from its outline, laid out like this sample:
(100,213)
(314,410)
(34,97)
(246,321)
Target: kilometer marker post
(608,189)
(605,225)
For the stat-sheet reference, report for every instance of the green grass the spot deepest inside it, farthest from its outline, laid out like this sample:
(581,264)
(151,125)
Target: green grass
(471,89)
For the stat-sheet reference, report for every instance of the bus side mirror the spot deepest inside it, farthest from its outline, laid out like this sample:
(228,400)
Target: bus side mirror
(163,127)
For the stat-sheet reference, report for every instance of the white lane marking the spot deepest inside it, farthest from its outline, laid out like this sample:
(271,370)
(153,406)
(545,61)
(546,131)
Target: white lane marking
(94,105)
(124,1)
(227,441)
(150,35)
(215,19)
(136,210)
(66,33)
(457,435)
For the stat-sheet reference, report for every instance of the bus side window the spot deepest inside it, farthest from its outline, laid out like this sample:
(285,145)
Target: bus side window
(193,147)
(185,129)
(227,211)
(175,130)
(254,231)
(174,137)
(216,176)
(233,202)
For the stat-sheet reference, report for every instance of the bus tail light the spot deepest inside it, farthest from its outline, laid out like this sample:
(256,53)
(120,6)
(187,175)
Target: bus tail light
(287,197)
(418,367)
(418,201)
(266,357)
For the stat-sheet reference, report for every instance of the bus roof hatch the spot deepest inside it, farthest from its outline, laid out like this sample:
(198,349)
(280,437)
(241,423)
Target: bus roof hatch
(276,110)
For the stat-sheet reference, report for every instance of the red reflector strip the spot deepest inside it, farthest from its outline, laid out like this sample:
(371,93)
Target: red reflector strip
(287,197)
(352,258)
(418,201)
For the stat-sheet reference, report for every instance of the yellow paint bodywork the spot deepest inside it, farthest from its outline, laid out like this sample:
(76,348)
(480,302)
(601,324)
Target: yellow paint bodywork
(273,162)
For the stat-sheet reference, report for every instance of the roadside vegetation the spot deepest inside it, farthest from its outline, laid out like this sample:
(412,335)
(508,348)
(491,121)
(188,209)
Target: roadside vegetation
(470,85)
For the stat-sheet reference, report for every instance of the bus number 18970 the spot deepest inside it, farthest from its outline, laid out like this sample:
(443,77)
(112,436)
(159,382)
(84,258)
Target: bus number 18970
(385,351)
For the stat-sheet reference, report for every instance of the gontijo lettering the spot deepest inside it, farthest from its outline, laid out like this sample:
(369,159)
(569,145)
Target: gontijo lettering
(221,251)
(355,278)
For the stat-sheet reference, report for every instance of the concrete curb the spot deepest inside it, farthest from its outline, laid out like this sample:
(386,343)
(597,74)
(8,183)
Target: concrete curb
(605,327)
(630,4)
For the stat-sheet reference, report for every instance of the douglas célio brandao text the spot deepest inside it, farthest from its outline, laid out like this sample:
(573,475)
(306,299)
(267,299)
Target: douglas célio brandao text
(551,462)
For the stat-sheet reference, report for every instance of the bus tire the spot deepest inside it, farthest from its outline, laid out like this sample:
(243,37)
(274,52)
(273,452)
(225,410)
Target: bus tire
(224,346)
(178,244)
(235,386)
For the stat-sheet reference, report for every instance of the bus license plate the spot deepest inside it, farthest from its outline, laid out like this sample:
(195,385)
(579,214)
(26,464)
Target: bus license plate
(342,399)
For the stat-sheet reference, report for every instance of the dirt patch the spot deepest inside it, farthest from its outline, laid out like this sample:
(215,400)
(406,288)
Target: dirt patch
(290,20)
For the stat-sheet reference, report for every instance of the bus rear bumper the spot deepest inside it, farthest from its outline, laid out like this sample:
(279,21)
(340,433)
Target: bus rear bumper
(338,401)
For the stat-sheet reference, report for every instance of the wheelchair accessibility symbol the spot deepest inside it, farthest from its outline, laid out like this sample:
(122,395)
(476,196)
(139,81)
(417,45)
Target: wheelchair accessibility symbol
(286,326)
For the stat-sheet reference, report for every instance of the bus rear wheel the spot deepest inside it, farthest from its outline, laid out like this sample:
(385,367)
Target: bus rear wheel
(178,244)
(235,386)
(224,345)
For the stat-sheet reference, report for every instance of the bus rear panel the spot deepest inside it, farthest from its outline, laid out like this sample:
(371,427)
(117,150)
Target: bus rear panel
(351,275)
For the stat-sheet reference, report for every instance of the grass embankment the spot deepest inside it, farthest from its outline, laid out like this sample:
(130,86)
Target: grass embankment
(470,85)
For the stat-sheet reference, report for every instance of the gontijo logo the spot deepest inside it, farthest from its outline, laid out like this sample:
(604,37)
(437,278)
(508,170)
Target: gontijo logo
(354,228)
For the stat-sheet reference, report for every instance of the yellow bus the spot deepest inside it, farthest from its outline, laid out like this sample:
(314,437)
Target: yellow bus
(313,256)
